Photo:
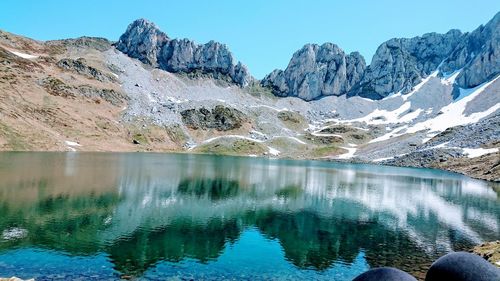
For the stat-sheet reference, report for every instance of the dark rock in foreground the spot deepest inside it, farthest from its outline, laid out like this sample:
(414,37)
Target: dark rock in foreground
(385,274)
(462,266)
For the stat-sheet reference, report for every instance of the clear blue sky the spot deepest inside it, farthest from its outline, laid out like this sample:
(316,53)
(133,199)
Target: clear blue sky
(263,34)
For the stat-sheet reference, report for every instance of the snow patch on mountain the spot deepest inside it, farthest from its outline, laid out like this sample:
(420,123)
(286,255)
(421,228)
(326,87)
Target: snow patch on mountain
(351,150)
(453,114)
(450,79)
(476,152)
(23,55)
(415,89)
(273,151)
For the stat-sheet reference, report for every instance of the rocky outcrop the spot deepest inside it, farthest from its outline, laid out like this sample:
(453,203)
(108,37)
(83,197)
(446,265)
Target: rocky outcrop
(401,63)
(80,66)
(84,42)
(113,97)
(57,87)
(221,118)
(144,41)
(477,55)
(317,71)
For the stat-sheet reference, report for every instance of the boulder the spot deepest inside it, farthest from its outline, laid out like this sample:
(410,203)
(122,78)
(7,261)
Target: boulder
(462,266)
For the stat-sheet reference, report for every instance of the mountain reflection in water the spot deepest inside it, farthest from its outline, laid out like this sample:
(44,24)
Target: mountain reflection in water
(165,215)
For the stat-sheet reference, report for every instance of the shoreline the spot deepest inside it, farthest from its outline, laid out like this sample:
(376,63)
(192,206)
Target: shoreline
(323,159)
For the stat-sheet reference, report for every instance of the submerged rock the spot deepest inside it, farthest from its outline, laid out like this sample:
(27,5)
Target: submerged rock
(489,251)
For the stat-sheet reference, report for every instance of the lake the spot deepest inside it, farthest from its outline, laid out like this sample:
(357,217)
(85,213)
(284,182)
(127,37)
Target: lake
(153,216)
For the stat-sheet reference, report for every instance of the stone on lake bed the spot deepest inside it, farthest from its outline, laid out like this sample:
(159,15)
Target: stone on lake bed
(14,233)
(490,251)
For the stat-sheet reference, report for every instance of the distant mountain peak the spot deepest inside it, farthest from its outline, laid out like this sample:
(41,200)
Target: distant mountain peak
(399,64)
(144,41)
(316,71)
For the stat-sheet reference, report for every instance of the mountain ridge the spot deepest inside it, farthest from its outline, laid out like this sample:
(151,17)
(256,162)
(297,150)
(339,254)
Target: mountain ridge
(143,40)
(399,64)
(316,71)
(86,94)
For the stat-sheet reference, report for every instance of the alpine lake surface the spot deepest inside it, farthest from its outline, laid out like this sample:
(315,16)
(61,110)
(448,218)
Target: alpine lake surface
(155,216)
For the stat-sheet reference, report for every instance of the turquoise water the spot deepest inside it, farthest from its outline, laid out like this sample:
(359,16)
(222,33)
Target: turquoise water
(149,216)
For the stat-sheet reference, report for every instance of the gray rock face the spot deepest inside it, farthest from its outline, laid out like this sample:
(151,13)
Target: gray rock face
(316,71)
(184,55)
(478,55)
(144,41)
(401,63)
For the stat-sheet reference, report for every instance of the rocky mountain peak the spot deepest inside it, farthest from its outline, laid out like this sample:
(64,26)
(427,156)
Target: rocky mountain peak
(398,65)
(316,71)
(143,40)
(477,56)
(401,63)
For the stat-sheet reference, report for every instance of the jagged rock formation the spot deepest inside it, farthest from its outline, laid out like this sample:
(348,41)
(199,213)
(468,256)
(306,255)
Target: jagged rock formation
(401,63)
(144,41)
(397,66)
(477,55)
(316,71)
